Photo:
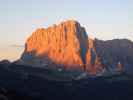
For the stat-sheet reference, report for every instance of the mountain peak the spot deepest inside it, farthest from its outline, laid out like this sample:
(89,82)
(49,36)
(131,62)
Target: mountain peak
(68,46)
(61,44)
(71,21)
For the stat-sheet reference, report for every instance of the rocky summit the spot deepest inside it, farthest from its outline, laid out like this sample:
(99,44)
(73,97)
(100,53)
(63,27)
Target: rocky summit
(68,46)
(64,44)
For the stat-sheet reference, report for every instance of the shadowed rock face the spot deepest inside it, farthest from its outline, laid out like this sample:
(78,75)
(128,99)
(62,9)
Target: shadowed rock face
(116,54)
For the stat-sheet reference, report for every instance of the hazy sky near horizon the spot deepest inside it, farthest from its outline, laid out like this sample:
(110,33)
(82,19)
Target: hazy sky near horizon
(104,19)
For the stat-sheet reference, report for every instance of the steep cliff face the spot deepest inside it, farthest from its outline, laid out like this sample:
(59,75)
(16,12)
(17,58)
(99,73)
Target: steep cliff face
(65,44)
(93,61)
(116,55)
(68,46)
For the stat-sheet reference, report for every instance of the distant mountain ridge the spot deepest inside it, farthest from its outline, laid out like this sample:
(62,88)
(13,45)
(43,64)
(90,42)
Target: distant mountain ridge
(116,52)
(68,46)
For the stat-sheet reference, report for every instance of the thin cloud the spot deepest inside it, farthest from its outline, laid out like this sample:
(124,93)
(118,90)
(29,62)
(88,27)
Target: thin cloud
(17,45)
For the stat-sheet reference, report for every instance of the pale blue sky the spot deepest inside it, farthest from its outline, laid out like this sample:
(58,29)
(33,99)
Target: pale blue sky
(104,19)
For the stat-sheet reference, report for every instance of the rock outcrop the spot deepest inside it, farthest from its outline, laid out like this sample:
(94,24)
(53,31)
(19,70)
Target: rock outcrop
(64,44)
(116,55)
(93,61)
(68,46)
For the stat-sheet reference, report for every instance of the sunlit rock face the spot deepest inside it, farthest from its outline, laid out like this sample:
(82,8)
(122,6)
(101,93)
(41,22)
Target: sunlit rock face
(64,44)
(68,46)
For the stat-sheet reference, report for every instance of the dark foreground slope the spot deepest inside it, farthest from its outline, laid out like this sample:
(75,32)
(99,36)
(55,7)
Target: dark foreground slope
(23,83)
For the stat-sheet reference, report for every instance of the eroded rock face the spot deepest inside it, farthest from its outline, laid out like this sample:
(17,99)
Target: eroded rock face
(93,61)
(68,46)
(65,44)
(116,55)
